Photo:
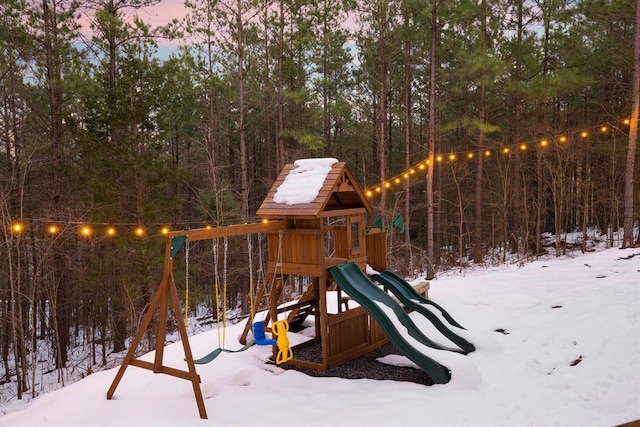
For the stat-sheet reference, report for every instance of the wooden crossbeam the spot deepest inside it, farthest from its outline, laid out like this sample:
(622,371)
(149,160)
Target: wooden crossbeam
(231,230)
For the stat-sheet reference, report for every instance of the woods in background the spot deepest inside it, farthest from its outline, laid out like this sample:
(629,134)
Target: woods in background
(96,127)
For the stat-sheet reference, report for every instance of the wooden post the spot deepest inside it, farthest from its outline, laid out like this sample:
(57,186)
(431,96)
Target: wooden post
(423,289)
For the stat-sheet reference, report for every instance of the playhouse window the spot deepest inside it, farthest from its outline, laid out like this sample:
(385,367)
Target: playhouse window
(355,235)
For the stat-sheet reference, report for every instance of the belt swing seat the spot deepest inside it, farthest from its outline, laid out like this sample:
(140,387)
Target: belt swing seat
(278,328)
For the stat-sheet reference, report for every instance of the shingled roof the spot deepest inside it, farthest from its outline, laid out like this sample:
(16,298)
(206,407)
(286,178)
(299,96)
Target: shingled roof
(339,192)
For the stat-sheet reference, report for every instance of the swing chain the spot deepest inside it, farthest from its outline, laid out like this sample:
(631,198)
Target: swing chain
(186,286)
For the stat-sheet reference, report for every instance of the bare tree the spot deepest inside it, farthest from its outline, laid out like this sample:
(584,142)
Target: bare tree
(627,239)
(431,146)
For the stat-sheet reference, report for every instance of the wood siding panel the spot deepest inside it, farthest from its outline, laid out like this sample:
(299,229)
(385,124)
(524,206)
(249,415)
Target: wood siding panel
(376,250)
(349,334)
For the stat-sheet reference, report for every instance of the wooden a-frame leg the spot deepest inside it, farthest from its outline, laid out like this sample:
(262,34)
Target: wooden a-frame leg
(193,375)
(167,290)
(136,341)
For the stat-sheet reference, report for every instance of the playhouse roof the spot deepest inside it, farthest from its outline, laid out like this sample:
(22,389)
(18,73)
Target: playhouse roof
(338,194)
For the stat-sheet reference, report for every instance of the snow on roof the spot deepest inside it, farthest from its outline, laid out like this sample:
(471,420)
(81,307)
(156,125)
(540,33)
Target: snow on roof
(303,183)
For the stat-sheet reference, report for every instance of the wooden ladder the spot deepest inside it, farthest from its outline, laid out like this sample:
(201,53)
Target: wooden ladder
(303,308)
(268,295)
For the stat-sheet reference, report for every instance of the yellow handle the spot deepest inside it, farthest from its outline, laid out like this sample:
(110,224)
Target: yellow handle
(280,329)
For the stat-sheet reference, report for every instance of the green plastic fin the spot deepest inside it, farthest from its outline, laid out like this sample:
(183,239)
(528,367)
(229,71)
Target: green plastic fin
(376,224)
(398,221)
(176,244)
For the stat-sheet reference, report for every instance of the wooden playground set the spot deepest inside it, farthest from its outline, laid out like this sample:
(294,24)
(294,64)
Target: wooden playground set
(303,239)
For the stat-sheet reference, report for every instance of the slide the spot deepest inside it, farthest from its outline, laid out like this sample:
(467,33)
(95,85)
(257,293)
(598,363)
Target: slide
(413,300)
(401,283)
(391,317)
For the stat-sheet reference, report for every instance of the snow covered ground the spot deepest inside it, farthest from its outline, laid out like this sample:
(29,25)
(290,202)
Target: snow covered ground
(558,343)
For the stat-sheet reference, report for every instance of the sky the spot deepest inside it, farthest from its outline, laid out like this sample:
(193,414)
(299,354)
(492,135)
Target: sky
(552,313)
(163,12)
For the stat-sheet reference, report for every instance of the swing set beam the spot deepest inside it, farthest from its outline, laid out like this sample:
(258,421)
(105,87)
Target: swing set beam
(166,297)
(232,230)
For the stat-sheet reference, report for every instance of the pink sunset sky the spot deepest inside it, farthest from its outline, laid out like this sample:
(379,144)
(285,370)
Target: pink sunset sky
(166,11)
(163,12)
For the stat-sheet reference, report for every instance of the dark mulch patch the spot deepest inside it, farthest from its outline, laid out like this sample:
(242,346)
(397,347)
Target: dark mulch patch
(364,366)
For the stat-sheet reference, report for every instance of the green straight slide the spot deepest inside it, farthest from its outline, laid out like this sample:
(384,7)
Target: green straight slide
(413,300)
(358,286)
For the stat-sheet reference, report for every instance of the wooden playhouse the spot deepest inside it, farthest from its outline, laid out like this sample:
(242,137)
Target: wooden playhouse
(326,231)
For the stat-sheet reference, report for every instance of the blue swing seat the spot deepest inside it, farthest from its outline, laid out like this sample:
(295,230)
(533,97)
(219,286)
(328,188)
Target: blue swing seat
(259,336)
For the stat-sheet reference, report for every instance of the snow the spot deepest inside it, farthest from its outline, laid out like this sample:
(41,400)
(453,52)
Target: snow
(582,310)
(303,183)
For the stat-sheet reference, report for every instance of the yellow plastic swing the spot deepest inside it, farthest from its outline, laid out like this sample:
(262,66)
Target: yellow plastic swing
(280,329)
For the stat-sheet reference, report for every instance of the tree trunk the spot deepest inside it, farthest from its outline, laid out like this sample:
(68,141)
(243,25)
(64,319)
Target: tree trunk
(627,239)
(382,113)
(408,74)
(431,146)
(244,174)
(477,246)
(280,150)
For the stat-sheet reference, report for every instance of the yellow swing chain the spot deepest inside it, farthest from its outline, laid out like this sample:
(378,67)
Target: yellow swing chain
(224,290)
(216,281)
(186,286)
(216,277)
(280,328)
(249,250)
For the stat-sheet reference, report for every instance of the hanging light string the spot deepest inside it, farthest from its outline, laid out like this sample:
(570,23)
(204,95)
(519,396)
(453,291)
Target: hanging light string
(89,229)
(507,149)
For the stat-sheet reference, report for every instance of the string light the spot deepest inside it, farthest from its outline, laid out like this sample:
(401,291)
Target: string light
(86,231)
(422,165)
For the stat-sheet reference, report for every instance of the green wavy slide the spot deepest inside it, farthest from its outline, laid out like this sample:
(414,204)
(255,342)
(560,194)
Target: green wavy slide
(414,301)
(400,282)
(358,286)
